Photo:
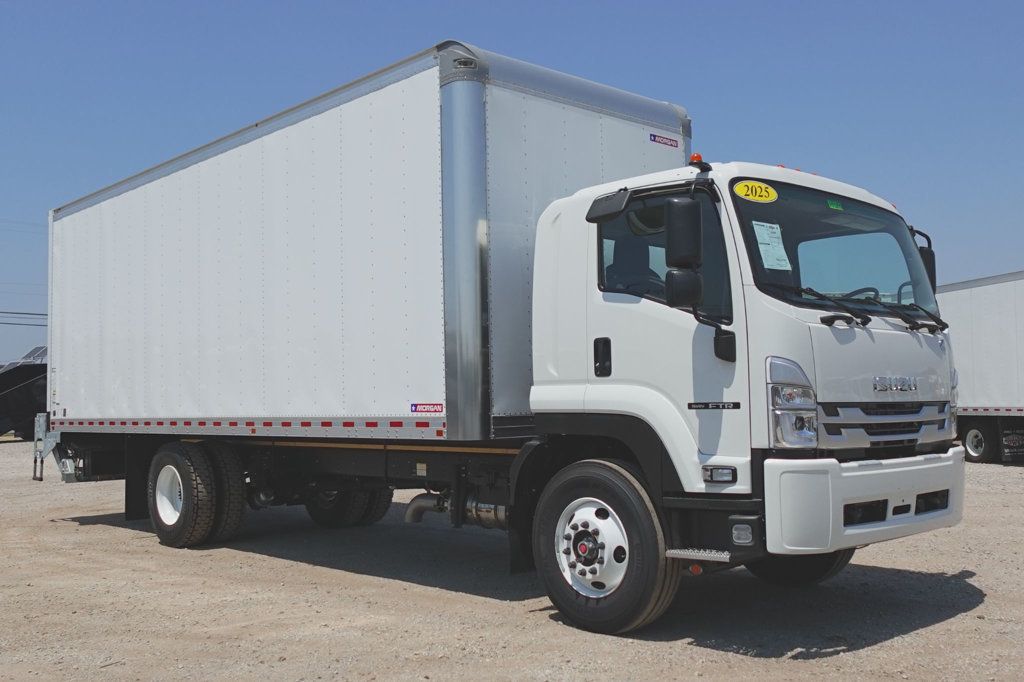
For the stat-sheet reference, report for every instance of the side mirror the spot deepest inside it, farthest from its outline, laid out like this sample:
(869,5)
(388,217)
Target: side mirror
(683,244)
(683,288)
(928,256)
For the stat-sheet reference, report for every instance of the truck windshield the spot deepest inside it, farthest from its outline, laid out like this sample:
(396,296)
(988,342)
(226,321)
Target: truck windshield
(801,238)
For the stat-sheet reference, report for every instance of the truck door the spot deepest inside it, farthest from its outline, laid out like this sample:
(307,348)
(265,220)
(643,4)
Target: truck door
(659,363)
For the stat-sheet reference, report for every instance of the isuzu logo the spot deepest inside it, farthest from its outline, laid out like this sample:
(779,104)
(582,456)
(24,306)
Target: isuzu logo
(891,384)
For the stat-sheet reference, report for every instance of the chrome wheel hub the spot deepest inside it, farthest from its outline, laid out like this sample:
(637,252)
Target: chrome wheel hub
(591,547)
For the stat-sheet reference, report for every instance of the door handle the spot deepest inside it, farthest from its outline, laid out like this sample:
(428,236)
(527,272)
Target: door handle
(603,357)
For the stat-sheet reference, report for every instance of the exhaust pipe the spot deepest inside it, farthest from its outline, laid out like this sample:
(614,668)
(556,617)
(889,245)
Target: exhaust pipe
(423,503)
(476,513)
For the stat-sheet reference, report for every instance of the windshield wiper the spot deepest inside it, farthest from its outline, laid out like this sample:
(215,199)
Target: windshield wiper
(860,317)
(943,325)
(911,323)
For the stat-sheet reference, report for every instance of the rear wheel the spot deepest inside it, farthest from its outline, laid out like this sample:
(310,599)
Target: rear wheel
(229,474)
(800,570)
(338,508)
(181,494)
(377,506)
(600,550)
(981,441)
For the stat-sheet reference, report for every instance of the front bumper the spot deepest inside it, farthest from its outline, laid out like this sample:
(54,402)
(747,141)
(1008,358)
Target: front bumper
(805,500)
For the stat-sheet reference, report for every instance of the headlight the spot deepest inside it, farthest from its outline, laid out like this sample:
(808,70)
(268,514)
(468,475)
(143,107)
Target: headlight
(794,407)
(794,429)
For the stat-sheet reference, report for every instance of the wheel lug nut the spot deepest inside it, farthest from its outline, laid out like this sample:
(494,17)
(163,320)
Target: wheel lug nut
(583,572)
(567,537)
(595,532)
(566,551)
(574,526)
(600,545)
(593,570)
(585,525)
(572,564)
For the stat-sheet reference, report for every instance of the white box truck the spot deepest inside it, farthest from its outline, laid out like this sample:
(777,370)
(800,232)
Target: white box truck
(431,279)
(986,317)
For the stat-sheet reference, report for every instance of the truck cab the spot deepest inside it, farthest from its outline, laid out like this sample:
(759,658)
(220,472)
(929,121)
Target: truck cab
(777,334)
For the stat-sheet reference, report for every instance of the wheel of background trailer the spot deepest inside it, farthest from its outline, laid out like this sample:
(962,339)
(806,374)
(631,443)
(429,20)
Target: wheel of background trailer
(799,570)
(338,508)
(229,474)
(377,506)
(599,548)
(981,441)
(182,495)
(25,430)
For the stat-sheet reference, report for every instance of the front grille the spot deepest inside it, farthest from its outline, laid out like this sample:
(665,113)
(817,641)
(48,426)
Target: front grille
(869,426)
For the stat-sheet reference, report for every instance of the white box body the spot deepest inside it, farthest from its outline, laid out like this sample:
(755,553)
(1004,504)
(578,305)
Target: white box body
(356,266)
(986,323)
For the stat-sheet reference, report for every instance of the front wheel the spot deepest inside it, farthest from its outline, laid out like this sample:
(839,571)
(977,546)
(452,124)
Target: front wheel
(800,570)
(600,550)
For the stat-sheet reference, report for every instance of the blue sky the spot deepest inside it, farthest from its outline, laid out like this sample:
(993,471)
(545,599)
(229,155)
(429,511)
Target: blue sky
(921,103)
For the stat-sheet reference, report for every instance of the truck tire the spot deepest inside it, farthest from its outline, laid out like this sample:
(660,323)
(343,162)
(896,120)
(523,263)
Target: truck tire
(981,441)
(182,495)
(229,474)
(25,430)
(377,506)
(594,516)
(800,570)
(338,508)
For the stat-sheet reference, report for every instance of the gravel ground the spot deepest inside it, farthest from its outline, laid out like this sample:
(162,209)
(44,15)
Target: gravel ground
(86,594)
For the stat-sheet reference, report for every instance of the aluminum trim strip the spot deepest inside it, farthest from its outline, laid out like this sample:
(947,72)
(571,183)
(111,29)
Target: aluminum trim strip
(464,238)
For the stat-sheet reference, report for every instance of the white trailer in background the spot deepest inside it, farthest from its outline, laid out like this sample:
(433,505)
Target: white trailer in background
(986,318)
(436,278)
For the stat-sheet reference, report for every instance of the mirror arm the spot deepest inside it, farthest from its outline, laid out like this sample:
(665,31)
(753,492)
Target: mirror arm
(725,339)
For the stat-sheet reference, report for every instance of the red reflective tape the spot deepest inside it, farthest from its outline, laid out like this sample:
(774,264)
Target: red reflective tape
(348,425)
(216,423)
(147,423)
(440,432)
(201,424)
(188,423)
(305,424)
(268,423)
(232,423)
(422,425)
(369,425)
(124,423)
(326,424)
(250,423)
(91,424)
(286,423)
(395,425)
(174,423)
(135,423)
(102,423)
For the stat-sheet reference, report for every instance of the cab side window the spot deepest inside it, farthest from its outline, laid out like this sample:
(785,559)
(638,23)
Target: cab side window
(631,256)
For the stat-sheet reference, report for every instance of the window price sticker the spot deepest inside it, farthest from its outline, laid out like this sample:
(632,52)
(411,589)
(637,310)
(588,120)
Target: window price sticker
(769,243)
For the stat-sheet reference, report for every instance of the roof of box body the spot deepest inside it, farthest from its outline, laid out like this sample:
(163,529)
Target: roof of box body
(458,62)
(981,282)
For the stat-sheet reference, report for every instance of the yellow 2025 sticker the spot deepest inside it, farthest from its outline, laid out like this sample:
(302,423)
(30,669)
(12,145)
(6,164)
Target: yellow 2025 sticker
(752,190)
